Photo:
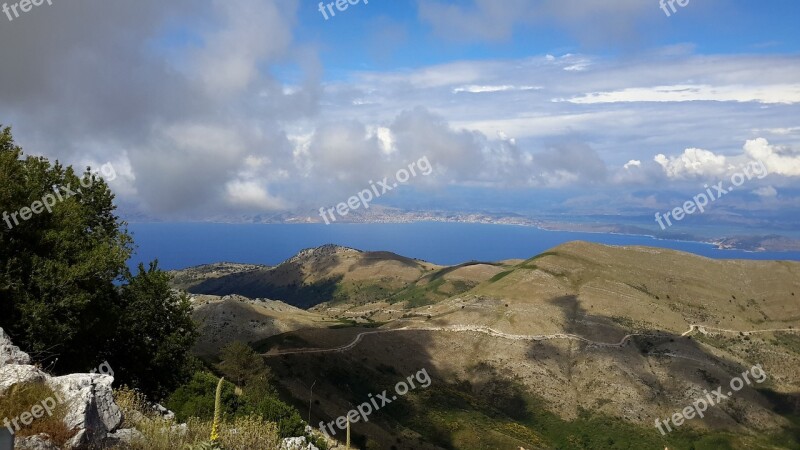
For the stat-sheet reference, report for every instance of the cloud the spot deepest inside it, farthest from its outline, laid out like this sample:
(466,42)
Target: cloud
(766,192)
(632,163)
(252,195)
(209,108)
(768,94)
(778,160)
(476,89)
(694,162)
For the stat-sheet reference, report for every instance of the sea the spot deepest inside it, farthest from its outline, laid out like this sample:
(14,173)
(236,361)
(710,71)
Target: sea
(182,245)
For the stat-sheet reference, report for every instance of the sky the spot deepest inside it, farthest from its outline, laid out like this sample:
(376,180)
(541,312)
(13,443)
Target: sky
(228,108)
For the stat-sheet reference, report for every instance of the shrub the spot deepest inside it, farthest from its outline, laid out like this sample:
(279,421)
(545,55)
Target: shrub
(196,398)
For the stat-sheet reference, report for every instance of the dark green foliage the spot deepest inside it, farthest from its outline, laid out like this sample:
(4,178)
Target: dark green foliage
(150,347)
(265,403)
(196,398)
(242,365)
(65,290)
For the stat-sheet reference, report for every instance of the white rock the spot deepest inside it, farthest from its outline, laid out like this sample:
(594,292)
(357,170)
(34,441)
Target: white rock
(126,436)
(90,405)
(12,374)
(38,442)
(10,353)
(297,443)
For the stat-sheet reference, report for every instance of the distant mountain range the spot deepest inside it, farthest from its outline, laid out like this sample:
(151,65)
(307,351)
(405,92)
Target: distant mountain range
(757,241)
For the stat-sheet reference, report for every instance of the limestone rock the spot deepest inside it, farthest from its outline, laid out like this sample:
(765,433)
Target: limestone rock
(12,374)
(90,405)
(297,443)
(38,442)
(10,353)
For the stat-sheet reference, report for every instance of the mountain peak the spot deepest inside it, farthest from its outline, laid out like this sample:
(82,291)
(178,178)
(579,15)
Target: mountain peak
(321,251)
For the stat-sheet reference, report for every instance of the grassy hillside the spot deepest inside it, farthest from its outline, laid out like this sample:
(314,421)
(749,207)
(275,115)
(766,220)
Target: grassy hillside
(583,346)
(325,274)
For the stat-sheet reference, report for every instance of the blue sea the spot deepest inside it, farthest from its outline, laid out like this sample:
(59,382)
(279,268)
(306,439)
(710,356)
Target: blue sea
(181,245)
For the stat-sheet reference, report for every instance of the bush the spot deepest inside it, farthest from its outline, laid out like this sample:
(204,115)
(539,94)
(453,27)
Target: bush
(196,398)
(271,409)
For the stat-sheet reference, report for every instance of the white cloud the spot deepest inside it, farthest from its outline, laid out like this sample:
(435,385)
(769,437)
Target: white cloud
(768,94)
(477,89)
(252,195)
(778,160)
(766,192)
(692,163)
(632,163)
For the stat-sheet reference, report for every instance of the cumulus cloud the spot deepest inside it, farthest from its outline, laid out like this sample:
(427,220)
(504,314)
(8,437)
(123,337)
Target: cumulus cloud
(696,162)
(693,162)
(779,160)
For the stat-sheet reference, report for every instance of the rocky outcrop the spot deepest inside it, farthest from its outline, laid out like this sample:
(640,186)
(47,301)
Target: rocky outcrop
(88,398)
(10,353)
(297,443)
(11,374)
(38,442)
(90,406)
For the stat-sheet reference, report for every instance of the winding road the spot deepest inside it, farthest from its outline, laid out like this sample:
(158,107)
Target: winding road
(703,329)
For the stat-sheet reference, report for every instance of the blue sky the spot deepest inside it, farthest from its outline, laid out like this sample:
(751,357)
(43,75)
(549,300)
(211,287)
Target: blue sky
(224,110)
(713,27)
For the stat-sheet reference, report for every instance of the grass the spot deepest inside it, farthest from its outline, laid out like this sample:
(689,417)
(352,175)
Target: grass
(23,398)
(420,295)
(500,276)
(788,341)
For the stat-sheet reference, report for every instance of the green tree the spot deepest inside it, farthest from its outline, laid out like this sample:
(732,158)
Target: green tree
(242,364)
(65,290)
(150,348)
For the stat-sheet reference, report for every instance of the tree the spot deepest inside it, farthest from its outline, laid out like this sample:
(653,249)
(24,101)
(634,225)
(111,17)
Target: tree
(152,341)
(57,269)
(242,364)
(66,294)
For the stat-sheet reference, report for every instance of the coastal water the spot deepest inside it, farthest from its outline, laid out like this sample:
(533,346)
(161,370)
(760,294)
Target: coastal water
(180,245)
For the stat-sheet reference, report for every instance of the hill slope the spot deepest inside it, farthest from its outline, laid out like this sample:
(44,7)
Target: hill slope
(575,348)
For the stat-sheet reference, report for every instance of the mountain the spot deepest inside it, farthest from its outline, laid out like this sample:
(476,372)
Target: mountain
(583,346)
(326,274)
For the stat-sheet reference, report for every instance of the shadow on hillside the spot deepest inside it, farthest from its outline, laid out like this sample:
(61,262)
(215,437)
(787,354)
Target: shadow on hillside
(684,359)
(344,380)
(295,293)
(370,258)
